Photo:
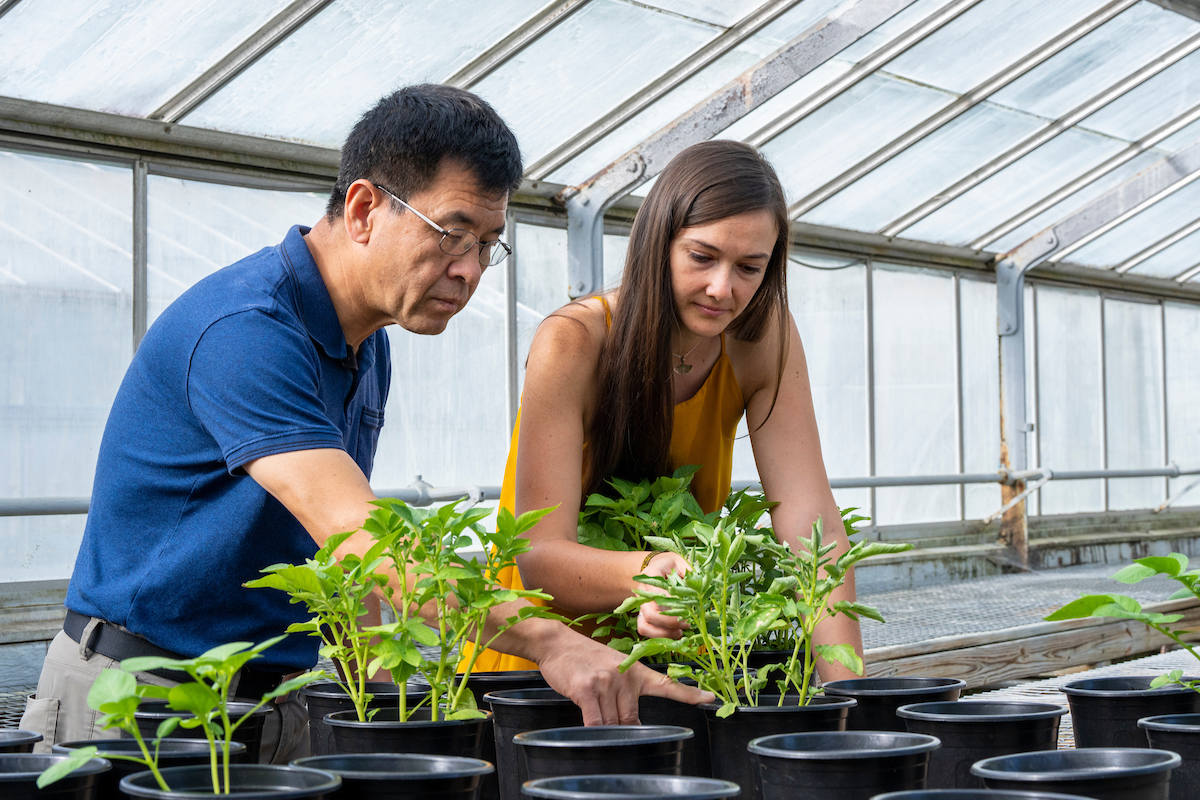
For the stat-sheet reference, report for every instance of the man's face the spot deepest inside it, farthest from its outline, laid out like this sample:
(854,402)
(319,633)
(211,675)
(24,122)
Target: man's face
(412,282)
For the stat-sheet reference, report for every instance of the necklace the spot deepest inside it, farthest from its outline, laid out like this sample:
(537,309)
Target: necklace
(683,368)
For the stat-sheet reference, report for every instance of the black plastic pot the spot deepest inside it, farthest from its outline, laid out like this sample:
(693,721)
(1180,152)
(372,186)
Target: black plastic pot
(878,698)
(483,683)
(385,733)
(848,765)
(411,776)
(630,787)
(14,740)
(171,753)
(1116,773)
(1179,733)
(761,658)
(603,749)
(517,711)
(247,782)
(19,773)
(327,697)
(1105,711)
(972,730)
(974,794)
(152,712)
(694,759)
(729,737)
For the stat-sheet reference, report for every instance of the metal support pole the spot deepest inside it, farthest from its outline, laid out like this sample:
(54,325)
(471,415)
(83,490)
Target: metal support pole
(141,172)
(511,354)
(1010,305)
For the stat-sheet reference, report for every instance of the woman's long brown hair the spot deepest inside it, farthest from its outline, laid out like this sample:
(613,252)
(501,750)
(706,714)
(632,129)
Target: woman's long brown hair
(630,432)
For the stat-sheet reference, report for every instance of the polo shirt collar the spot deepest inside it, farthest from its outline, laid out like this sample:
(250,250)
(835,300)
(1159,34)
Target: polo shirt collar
(315,306)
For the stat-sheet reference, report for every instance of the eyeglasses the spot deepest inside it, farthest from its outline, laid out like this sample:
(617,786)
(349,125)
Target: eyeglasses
(456,241)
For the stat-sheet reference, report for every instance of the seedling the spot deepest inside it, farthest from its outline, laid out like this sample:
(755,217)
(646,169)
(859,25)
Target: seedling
(723,619)
(1175,567)
(206,698)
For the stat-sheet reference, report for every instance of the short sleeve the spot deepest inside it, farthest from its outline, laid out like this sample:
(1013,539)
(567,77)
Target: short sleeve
(253,384)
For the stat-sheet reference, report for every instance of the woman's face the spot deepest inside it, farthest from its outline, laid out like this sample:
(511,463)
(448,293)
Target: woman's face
(717,267)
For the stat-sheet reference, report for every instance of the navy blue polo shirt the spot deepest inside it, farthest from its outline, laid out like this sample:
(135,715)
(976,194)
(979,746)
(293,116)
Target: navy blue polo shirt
(249,362)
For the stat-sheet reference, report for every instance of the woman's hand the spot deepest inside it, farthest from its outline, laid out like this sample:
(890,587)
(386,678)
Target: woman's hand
(652,622)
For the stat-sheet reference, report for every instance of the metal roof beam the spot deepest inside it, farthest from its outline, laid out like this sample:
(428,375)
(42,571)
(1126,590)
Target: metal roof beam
(1157,247)
(495,56)
(7,5)
(960,106)
(749,25)
(1039,138)
(258,44)
(1188,8)
(1091,176)
(860,71)
(1187,275)
(1109,210)
(587,203)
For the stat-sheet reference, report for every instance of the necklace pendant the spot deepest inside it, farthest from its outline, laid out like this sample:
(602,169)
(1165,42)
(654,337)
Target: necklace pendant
(682,369)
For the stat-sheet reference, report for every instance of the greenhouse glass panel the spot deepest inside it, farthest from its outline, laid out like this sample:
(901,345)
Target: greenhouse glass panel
(1164,97)
(124,57)
(846,130)
(67,337)
(922,170)
(916,426)
(1155,223)
(1133,400)
(195,228)
(1174,260)
(1183,138)
(447,414)
(1070,203)
(1102,58)
(541,254)
(314,85)
(711,11)
(986,39)
(1015,188)
(981,393)
(1070,418)
(1183,395)
(585,66)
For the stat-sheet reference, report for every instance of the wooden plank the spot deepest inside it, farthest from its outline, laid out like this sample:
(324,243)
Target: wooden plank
(984,664)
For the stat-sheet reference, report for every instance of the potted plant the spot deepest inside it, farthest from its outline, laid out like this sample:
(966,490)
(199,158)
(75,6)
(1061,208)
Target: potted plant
(204,703)
(434,580)
(1105,711)
(724,619)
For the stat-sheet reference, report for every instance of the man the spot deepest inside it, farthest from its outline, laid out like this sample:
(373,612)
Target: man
(244,431)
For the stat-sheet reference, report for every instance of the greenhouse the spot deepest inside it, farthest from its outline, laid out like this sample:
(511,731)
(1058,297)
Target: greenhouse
(993,268)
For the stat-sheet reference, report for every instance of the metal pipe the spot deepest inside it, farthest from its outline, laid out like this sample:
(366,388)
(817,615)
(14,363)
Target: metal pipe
(959,107)
(140,225)
(1173,500)
(1157,247)
(749,25)
(1030,489)
(511,349)
(7,5)
(1046,134)
(1187,275)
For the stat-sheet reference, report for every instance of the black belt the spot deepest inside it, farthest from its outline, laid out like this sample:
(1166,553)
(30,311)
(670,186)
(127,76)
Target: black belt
(118,644)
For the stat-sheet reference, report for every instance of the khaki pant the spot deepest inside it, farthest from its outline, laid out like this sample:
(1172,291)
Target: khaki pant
(60,713)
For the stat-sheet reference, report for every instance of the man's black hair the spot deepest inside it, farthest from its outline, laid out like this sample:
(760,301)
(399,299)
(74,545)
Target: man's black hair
(402,141)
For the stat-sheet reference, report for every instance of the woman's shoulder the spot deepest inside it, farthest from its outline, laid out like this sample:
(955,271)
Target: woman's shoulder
(579,324)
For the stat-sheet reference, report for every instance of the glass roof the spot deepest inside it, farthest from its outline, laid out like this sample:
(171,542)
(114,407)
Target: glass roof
(577,62)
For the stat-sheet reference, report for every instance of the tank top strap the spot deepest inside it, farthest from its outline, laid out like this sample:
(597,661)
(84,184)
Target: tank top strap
(608,316)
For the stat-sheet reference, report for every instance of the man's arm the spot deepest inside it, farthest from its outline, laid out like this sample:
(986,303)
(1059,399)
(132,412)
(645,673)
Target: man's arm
(327,492)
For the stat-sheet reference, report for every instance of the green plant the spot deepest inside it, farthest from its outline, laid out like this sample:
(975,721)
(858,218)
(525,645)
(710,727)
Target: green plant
(335,592)
(455,594)
(724,618)
(1175,567)
(206,698)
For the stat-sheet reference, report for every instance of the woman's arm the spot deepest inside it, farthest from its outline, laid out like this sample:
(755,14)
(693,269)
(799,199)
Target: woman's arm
(787,451)
(556,403)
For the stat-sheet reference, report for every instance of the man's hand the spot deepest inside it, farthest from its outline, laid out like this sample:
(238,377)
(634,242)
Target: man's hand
(651,621)
(586,671)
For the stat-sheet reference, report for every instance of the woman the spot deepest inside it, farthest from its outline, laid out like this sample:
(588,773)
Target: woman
(657,373)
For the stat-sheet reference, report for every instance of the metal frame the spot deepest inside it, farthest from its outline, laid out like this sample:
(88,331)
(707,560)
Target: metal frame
(960,106)
(869,277)
(258,44)
(1188,274)
(1046,134)
(659,87)
(1187,8)
(960,449)
(498,54)
(1091,176)
(7,5)
(1157,247)
(863,69)
(140,222)
(1104,397)
(511,333)
(587,203)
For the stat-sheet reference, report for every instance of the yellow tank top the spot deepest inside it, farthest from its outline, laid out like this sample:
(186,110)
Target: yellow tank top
(703,433)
